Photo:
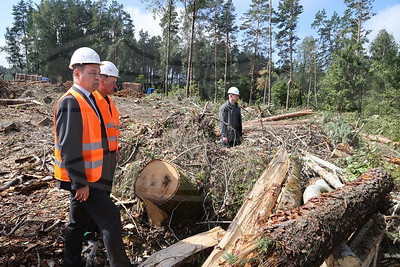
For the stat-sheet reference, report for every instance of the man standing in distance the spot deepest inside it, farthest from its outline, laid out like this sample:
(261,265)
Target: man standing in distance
(83,163)
(230,125)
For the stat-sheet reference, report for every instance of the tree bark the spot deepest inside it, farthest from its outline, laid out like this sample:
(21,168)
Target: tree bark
(168,193)
(308,235)
(291,196)
(257,206)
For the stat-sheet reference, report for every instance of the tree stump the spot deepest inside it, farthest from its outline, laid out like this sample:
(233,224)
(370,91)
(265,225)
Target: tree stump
(168,193)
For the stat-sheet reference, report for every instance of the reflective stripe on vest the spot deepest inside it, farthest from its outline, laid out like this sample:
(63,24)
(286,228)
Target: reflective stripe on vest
(111,119)
(92,150)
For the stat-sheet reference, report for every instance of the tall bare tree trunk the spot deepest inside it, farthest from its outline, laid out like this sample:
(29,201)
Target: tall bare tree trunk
(189,67)
(215,55)
(168,48)
(270,54)
(226,60)
(253,66)
(289,83)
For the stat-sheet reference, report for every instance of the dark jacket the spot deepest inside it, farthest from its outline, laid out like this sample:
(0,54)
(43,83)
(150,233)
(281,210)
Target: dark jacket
(231,115)
(69,132)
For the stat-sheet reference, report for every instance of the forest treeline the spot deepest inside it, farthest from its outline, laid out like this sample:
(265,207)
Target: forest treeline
(199,52)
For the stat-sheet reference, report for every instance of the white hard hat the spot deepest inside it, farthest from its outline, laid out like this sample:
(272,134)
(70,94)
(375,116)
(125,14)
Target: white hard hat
(233,90)
(84,55)
(108,68)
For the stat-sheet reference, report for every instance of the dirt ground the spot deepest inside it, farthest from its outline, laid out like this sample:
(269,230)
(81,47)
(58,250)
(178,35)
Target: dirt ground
(33,213)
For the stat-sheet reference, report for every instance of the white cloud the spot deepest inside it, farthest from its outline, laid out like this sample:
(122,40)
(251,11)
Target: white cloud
(144,21)
(387,19)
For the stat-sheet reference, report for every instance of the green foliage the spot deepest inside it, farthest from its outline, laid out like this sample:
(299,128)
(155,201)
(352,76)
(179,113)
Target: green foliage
(279,93)
(364,159)
(339,130)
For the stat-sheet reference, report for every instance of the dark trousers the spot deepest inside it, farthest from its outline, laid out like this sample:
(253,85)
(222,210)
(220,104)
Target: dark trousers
(105,213)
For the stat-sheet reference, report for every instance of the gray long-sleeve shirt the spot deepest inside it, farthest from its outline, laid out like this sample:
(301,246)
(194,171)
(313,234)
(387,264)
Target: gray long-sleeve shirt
(231,115)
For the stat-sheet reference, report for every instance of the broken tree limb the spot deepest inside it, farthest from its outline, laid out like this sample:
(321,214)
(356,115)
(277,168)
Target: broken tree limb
(259,124)
(335,169)
(332,179)
(178,253)
(18,101)
(166,192)
(378,138)
(308,235)
(365,242)
(257,206)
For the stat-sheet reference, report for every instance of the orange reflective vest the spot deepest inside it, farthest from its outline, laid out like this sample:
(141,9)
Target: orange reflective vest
(92,150)
(111,119)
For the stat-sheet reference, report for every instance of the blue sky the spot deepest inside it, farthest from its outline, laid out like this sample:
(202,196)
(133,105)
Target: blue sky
(387,16)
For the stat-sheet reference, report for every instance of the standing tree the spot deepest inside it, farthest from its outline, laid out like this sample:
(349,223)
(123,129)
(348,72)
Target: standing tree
(287,18)
(331,32)
(254,27)
(385,73)
(307,66)
(17,38)
(270,50)
(228,28)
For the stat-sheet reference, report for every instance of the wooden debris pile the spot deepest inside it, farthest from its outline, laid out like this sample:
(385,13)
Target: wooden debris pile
(272,228)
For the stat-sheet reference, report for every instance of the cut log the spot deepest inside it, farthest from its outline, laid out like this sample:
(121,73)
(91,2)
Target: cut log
(308,235)
(365,242)
(257,207)
(168,193)
(177,254)
(332,179)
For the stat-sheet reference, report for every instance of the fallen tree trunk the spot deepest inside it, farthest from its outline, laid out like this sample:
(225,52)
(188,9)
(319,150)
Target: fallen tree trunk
(178,253)
(256,208)
(308,235)
(168,193)
(297,114)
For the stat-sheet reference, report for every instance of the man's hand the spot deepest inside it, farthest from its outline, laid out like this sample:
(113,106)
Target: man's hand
(82,193)
(225,140)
